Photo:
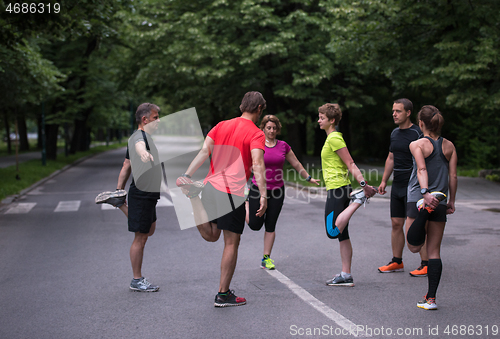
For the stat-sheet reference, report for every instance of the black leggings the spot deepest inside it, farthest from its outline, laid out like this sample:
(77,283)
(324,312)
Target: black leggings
(274,205)
(337,201)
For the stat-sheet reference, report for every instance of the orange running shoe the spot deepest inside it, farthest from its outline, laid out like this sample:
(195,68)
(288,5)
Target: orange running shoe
(419,272)
(391,267)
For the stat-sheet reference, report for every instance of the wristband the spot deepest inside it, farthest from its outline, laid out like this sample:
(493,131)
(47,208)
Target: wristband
(186,175)
(309,178)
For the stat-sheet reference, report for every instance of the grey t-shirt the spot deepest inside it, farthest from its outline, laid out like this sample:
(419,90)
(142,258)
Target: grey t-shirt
(148,181)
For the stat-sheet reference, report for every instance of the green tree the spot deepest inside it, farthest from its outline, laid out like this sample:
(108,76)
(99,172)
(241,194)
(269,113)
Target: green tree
(209,53)
(439,52)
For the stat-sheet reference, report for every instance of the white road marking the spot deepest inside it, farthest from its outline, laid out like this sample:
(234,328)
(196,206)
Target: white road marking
(68,206)
(107,207)
(338,318)
(21,208)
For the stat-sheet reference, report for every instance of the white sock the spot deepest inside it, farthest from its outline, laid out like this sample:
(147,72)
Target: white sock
(345,275)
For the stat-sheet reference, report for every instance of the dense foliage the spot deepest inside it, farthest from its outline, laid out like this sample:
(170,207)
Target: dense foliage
(96,59)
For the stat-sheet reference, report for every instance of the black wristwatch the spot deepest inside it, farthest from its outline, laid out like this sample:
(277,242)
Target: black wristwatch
(309,178)
(424,190)
(362,183)
(186,175)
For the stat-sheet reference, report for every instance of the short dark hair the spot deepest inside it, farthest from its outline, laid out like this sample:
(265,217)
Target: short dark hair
(332,111)
(271,118)
(251,102)
(144,110)
(432,118)
(407,104)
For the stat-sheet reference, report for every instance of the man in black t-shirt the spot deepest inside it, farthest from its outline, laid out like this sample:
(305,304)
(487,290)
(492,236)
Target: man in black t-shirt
(142,161)
(400,161)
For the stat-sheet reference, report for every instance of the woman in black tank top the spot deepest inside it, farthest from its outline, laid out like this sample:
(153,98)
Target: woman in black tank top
(434,179)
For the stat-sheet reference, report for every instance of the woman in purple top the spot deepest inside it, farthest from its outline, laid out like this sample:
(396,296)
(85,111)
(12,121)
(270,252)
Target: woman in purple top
(277,151)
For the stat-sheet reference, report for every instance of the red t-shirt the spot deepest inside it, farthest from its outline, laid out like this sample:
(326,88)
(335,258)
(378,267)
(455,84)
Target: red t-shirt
(231,160)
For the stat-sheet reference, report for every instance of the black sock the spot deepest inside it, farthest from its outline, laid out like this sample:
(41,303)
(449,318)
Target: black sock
(434,275)
(416,232)
(397,260)
(223,293)
(424,263)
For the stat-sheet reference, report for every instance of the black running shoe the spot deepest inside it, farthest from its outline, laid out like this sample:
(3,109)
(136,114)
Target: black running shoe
(229,300)
(115,198)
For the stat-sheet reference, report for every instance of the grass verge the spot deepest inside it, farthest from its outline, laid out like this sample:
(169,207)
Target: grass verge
(33,171)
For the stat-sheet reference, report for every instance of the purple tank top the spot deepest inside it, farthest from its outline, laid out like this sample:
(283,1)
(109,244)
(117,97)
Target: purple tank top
(274,159)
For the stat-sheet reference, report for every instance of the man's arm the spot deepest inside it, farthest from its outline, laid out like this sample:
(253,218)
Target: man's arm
(124,174)
(389,167)
(259,172)
(140,148)
(202,155)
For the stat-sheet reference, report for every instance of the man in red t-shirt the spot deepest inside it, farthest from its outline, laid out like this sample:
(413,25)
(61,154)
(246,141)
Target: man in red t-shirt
(236,147)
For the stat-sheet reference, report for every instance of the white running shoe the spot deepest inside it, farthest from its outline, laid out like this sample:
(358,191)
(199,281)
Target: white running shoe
(358,196)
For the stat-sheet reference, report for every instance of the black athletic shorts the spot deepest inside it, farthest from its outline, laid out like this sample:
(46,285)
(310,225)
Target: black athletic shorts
(274,205)
(141,214)
(216,203)
(439,214)
(337,200)
(399,192)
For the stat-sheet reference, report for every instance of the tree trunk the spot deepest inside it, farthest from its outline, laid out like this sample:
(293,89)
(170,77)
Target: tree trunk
(319,141)
(7,130)
(51,132)
(39,143)
(294,140)
(23,134)
(81,137)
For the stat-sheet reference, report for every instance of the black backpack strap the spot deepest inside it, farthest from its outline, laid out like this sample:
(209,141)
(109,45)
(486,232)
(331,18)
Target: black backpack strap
(145,139)
(152,163)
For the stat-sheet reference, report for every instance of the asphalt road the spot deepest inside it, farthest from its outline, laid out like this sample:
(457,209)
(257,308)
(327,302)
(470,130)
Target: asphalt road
(65,271)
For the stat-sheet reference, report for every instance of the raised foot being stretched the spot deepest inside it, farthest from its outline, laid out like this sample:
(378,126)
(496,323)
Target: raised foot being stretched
(358,197)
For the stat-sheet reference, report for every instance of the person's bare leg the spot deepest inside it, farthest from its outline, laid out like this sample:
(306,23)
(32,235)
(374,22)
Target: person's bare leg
(229,258)
(269,242)
(343,218)
(434,238)
(208,230)
(124,209)
(137,250)
(423,252)
(397,237)
(247,212)
(346,255)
